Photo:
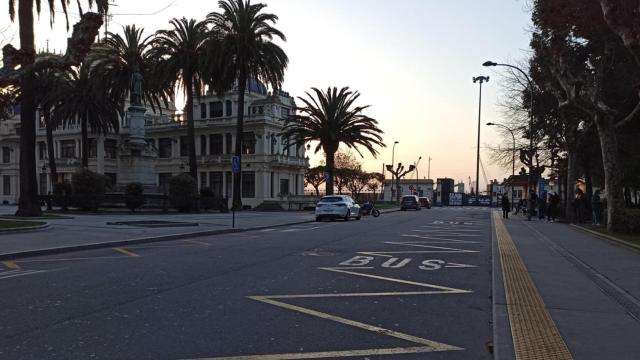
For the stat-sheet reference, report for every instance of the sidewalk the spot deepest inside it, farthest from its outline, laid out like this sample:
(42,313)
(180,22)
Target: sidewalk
(590,288)
(80,230)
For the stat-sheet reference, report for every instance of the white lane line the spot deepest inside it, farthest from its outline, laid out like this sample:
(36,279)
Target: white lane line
(24,273)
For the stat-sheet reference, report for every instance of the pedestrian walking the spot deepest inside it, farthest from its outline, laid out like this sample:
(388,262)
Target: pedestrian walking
(542,205)
(506,206)
(532,204)
(552,209)
(578,206)
(596,208)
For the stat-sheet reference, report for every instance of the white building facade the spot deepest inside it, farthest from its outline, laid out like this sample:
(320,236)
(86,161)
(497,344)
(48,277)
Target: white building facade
(270,169)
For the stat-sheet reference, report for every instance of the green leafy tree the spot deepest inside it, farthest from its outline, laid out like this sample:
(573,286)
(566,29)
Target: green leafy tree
(179,50)
(249,53)
(28,204)
(332,118)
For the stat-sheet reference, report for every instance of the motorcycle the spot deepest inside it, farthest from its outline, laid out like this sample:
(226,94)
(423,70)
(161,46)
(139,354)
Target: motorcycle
(369,209)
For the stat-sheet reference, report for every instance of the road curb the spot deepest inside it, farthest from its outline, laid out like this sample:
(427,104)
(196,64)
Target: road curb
(145,240)
(607,237)
(25,229)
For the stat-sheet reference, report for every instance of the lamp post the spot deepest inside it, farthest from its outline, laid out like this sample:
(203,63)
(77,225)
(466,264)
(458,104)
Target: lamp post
(491,63)
(429,169)
(513,156)
(480,79)
(393,154)
(417,179)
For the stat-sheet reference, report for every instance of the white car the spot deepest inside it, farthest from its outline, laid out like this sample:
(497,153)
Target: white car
(337,206)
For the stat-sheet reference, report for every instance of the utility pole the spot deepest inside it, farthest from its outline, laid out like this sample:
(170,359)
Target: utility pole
(481,80)
(417,179)
(429,169)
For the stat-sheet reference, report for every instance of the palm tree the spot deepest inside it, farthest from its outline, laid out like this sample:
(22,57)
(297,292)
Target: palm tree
(118,57)
(180,50)
(250,54)
(48,81)
(331,118)
(28,204)
(84,97)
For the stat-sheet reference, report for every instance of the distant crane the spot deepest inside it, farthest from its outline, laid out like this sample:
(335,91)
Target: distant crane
(484,174)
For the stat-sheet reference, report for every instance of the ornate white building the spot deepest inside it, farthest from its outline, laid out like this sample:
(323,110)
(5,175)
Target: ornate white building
(270,169)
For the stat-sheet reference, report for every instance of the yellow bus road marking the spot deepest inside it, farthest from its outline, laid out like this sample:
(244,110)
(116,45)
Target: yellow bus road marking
(197,242)
(10,264)
(534,333)
(330,354)
(125,252)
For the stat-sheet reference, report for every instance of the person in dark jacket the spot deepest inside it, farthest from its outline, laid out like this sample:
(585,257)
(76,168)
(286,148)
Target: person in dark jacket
(542,205)
(506,206)
(554,201)
(533,200)
(596,208)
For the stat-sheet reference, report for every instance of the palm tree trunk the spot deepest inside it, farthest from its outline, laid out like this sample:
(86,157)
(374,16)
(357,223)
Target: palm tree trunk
(331,160)
(237,178)
(28,204)
(85,141)
(50,151)
(612,178)
(191,132)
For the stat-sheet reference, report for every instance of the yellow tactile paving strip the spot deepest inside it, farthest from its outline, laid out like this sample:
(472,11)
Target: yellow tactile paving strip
(535,335)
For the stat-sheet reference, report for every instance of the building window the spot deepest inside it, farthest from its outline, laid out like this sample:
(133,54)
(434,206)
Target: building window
(110,148)
(6,154)
(68,149)
(248,184)
(248,143)
(203,111)
(42,150)
(203,145)
(203,179)
(6,185)
(284,187)
(229,149)
(229,107)
(93,148)
(43,184)
(163,181)
(184,146)
(215,182)
(285,112)
(164,147)
(215,144)
(215,109)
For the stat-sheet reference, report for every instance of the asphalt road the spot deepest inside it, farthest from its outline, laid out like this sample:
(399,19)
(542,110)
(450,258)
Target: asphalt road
(407,285)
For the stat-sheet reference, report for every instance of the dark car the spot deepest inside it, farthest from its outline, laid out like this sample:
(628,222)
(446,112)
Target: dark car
(425,202)
(410,202)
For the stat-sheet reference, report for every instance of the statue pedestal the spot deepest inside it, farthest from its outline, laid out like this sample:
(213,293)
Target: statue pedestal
(137,158)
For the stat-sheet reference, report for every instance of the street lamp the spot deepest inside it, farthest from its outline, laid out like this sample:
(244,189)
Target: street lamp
(480,79)
(393,154)
(513,156)
(491,63)
(417,179)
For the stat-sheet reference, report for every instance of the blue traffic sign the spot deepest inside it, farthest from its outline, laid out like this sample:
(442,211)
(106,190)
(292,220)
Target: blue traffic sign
(235,164)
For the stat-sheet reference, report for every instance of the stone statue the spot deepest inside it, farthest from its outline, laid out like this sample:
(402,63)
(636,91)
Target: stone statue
(136,88)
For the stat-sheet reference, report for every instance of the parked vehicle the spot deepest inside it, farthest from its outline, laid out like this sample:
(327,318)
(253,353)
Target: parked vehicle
(410,202)
(425,202)
(369,209)
(337,206)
